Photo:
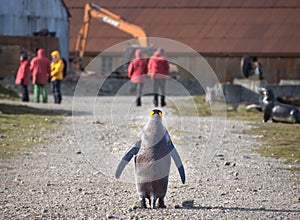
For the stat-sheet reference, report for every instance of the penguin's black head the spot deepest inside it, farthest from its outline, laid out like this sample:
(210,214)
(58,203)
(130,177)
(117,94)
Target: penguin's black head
(156,111)
(268,95)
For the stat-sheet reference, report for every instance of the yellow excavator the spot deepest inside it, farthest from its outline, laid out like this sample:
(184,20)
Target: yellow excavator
(94,11)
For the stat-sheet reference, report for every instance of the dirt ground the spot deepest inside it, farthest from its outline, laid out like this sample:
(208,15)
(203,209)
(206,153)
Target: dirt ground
(71,176)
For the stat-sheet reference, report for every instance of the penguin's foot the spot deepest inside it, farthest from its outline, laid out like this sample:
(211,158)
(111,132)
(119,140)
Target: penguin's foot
(153,201)
(143,204)
(161,204)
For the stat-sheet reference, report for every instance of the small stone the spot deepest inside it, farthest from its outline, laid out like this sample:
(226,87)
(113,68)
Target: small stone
(109,216)
(235,174)
(227,163)
(98,122)
(177,206)
(188,203)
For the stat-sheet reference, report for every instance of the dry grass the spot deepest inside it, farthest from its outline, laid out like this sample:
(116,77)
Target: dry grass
(23,127)
(281,141)
(6,92)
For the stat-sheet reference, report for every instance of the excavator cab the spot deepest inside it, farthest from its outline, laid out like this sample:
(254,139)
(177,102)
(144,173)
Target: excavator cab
(130,50)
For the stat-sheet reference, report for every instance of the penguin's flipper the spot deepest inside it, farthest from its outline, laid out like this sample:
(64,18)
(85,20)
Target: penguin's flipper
(174,154)
(133,150)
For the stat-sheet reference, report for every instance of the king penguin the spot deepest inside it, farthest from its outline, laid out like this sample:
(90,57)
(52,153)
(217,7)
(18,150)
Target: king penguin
(152,154)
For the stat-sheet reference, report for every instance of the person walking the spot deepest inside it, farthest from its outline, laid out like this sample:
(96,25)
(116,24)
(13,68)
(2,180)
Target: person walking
(137,71)
(159,69)
(23,76)
(40,67)
(57,68)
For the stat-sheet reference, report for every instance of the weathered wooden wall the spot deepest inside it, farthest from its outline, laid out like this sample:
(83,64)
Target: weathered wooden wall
(274,68)
(11,47)
(227,68)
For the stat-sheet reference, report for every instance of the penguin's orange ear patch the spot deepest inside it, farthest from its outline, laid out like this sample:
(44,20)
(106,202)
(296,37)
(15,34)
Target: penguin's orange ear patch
(156,111)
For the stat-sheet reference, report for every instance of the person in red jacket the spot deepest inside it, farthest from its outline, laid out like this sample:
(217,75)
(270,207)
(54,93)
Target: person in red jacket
(159,69)
(137,71)
(23,76)
(40,67)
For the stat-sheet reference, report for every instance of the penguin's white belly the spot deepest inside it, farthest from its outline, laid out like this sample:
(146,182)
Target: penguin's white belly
(149,170)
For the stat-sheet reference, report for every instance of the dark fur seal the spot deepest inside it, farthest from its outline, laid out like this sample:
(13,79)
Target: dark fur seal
(278,112)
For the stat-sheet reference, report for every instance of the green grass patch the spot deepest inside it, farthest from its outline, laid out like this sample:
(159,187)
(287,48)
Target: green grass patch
(281,141)
(23,127)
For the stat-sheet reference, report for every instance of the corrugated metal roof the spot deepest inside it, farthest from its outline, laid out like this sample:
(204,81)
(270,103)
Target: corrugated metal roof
(219,26)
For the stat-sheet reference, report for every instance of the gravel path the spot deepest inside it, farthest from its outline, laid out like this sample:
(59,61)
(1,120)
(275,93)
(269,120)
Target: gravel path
(72,176)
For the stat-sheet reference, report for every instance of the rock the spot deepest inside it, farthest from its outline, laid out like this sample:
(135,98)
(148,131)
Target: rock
(98,122)
(112,216)
(177,207)
(227,163)
(188,203)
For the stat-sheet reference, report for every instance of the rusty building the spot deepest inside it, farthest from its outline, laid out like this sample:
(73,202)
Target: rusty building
(223,31)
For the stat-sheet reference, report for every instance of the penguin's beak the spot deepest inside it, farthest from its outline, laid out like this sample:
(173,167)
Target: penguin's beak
(156,111)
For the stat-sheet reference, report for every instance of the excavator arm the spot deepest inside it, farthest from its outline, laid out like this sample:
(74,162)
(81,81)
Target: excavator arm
(93,11)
